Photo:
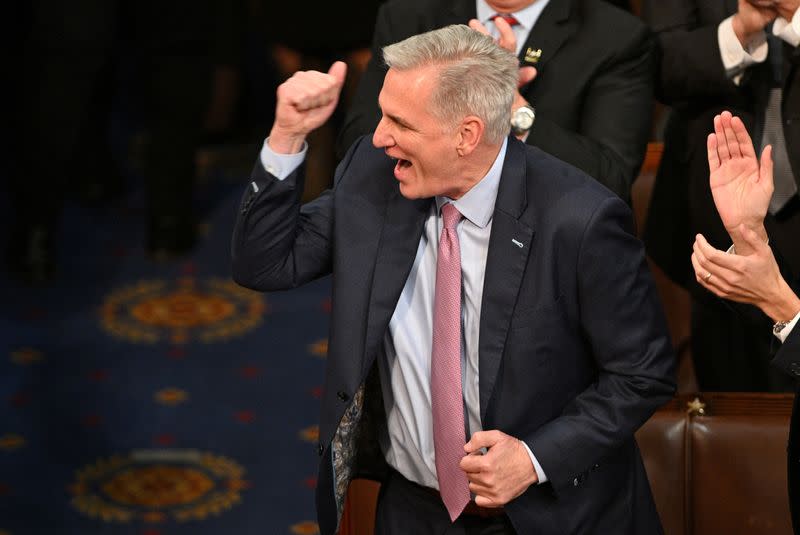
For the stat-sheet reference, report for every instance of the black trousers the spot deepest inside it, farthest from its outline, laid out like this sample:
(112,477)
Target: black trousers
(405,507)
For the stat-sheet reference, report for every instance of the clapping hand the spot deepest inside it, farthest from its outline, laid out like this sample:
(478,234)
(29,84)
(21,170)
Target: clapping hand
(753,279)
(741,186)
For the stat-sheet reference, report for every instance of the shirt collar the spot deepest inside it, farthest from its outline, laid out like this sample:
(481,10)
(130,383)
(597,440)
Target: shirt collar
(477,204)
(527,17)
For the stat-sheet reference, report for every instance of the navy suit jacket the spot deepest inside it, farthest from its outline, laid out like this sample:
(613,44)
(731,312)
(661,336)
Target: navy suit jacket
(574,353)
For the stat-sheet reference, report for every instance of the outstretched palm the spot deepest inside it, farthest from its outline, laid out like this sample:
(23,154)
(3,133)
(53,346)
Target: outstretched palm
(740,186)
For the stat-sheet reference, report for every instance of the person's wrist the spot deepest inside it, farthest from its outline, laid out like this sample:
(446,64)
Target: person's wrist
(284,142)
(782,304)
(735,232)
(533,476)
(519,101)
(743,32)
(786,10)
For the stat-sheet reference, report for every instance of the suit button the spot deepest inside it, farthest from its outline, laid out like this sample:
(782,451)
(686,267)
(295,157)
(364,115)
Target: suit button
(341,394)
(320,449)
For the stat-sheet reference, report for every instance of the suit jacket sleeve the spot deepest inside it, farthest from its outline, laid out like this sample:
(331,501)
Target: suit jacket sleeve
(615,110)
(690,64)
(788,356)
(623,324)
(277,243)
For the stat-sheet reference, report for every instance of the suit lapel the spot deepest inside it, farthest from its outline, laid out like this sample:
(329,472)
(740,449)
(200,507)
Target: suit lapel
(551,30)
(402,228)
(509,244)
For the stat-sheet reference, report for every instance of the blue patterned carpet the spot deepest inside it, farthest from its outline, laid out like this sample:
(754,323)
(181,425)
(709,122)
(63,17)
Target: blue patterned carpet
(151,398)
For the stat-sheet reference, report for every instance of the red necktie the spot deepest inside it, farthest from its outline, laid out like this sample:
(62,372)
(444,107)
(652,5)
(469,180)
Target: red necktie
(509,18)
(446,398)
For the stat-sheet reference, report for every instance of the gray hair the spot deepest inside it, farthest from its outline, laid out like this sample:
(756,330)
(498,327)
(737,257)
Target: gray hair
(477,76)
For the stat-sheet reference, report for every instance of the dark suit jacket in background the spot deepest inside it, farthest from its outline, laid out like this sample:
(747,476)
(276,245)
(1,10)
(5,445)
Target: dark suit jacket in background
(731,351)
(574,353)
(593,92)
(788,360)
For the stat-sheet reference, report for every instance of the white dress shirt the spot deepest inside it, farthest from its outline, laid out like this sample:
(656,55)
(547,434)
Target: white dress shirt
(736,58)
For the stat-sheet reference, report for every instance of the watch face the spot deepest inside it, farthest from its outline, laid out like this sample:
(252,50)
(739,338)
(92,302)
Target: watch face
(522,119)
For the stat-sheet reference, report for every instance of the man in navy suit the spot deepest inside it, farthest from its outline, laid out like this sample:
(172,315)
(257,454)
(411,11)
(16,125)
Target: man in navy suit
(748,272)
(559,339)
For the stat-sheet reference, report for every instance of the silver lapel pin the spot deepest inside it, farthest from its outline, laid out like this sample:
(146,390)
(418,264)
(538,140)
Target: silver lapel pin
(517,243)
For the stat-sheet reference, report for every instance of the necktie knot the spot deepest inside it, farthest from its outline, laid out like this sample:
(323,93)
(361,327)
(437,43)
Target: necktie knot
(508,17)
(450,216)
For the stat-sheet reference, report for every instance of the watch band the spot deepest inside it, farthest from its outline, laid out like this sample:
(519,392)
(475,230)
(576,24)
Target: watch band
(779,326)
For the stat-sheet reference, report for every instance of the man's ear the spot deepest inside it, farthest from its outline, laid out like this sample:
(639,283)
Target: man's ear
(470,134)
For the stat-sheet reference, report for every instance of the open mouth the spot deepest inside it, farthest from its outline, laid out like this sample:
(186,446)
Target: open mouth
(402,164)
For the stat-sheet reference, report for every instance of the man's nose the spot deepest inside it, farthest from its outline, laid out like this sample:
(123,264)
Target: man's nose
(381,138)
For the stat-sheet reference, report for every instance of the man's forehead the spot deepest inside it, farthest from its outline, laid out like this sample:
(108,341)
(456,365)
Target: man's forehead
(414,78)
(405,85)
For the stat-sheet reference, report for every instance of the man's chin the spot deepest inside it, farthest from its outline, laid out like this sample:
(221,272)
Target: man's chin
(408,192)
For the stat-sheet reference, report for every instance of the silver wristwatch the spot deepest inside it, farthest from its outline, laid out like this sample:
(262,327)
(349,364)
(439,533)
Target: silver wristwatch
(779,326)
(522,120)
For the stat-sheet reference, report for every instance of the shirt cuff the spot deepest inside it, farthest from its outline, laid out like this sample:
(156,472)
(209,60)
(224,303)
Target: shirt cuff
(736,58)
(789,31)
(538,467)
(785,331)
(281,165)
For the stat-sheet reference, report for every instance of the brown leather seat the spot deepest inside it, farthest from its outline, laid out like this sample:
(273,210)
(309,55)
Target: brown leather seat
(717,464)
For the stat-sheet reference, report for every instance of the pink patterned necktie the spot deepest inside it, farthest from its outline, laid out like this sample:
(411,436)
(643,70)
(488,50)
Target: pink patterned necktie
(446,398)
